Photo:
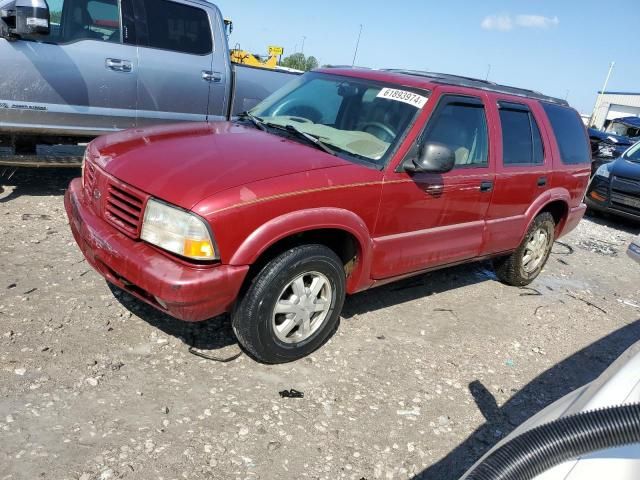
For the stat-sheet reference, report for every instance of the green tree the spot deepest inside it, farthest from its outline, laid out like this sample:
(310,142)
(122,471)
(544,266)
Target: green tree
(300,62)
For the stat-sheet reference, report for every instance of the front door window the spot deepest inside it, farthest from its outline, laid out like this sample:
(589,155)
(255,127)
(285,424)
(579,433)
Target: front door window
(73,20)
(460,123)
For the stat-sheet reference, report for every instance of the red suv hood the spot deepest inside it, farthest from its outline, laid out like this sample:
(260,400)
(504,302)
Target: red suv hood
(183,164)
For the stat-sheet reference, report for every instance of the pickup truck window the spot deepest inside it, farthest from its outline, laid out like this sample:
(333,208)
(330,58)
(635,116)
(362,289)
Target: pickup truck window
(55,17)
(176,27)
(359,119)
(460,123)
(521,141)
(570,134)
(73,20)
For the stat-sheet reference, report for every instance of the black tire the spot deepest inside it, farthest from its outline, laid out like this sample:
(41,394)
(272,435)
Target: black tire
(511,269)
(252,317)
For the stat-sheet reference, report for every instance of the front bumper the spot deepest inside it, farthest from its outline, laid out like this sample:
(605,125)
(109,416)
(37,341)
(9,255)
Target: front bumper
(614,195)
(188,292)
(607,207)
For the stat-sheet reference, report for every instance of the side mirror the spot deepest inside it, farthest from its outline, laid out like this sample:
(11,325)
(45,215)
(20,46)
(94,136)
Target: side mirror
(30,17)
(433,157)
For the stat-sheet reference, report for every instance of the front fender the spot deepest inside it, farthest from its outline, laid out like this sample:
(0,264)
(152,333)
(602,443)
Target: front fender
(300,221)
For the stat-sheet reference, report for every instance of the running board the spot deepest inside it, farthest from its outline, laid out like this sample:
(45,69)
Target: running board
(40,161)
(55,156)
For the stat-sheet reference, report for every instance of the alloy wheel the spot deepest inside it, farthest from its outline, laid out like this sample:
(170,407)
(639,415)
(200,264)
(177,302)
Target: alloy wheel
(535,250)
(302,307)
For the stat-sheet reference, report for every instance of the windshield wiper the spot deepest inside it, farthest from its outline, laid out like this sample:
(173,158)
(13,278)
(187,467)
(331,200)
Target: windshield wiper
(307,136)
(352,154)
(257,121)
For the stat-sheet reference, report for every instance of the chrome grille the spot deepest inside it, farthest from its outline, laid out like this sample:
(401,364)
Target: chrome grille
(629,182)
(629,201)
(123,208)
(89,175)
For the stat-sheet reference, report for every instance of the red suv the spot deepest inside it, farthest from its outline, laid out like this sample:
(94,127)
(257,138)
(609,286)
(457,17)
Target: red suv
(343,180)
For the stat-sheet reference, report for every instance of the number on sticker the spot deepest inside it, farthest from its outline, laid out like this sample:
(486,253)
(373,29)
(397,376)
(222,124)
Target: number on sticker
(404,96)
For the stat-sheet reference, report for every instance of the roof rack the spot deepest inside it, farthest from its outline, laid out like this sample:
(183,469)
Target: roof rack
(354,67)
(447,79)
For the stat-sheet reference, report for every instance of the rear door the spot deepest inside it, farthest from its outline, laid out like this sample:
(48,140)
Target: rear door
(522,171)
(175,54)
(80,79)
(426,219)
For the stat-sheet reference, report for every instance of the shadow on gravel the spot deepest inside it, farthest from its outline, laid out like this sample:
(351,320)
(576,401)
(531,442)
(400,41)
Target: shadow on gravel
(35,181)
(215,334)
(211,335)
(417,287)
(580,368)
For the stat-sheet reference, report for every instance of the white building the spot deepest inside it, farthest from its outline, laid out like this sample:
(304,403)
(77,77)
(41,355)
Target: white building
(615,105)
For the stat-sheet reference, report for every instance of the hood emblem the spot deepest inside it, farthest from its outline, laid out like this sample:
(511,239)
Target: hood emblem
(96,194)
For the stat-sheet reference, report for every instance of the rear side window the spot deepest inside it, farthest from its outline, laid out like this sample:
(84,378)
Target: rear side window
(570,134)
(177,27)
(521,142)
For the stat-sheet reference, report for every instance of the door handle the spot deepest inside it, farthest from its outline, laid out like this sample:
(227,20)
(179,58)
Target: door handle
(209,76)
(542,181)
(486,186)
(435,190)
(118,65)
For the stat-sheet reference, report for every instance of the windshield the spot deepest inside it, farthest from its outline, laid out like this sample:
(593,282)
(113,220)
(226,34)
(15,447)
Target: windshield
(357,118)
(633,154)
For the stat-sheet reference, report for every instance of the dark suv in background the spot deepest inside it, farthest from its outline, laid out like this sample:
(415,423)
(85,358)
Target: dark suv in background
(615,186)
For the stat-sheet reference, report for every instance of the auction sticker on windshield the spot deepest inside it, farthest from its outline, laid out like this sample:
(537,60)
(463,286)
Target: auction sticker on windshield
(403,96)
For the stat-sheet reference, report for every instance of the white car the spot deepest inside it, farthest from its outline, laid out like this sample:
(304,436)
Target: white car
(548,453)
(634,249)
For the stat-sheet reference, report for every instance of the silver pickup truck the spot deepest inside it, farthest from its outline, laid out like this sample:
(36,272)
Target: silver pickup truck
(71,70)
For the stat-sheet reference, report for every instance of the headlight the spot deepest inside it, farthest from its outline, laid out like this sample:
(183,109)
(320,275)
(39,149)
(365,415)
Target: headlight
(177,231)
(603,171)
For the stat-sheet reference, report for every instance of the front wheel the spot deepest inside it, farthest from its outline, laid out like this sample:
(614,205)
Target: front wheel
(292,305)
(527,261)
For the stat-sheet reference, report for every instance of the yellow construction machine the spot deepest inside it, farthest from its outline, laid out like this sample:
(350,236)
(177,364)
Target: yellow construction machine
(243,57)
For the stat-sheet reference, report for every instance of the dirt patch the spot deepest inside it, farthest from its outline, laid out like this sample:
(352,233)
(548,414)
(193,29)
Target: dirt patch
(422,377)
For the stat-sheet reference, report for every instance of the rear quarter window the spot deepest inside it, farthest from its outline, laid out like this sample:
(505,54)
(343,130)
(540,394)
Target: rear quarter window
(570,134)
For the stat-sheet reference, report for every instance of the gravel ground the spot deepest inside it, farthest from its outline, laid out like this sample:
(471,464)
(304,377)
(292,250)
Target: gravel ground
(422,377)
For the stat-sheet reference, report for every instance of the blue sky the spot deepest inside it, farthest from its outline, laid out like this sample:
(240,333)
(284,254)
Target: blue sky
(547,45)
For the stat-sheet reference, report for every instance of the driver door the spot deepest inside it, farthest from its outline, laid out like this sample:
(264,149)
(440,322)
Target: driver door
(80,79)
(428,220)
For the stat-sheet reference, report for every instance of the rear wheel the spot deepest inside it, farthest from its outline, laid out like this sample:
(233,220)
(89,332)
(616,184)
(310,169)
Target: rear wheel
(525,264)
(292,305)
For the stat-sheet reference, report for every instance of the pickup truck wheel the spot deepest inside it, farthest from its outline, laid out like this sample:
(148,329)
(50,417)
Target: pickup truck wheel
(292,306)
(525,264)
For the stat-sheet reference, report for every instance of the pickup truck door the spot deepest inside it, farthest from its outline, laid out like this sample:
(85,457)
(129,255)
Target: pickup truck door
(428,220)
(176,54)
(79,80)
